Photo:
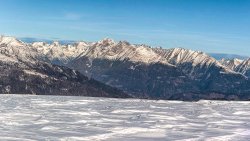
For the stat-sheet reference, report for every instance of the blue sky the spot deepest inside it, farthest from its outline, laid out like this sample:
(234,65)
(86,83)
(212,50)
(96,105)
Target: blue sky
(221,26)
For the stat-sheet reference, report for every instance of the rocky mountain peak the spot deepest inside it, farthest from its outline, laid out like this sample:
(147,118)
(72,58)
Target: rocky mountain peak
(124,43)
(181,55)
(231,63)
(55,43)
(12,41)
(39,44)
(105,42)
(82,44)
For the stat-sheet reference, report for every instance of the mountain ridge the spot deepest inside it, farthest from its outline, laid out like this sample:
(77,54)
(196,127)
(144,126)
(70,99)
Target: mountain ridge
(147,72)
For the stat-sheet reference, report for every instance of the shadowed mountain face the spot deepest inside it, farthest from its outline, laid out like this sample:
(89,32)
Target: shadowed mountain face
(156,81)
(46,79)
(140,70)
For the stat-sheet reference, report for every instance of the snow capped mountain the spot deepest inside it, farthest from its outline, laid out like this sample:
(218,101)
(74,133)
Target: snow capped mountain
(105,42)
(178,56)
(109,49)
(57,53)
(231,63)
(123,51)
(23,72)
(39,44)
(140,70)
(104,49)
(10,41)
(16,49)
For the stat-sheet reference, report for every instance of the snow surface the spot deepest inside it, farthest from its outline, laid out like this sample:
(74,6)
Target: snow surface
(84,118)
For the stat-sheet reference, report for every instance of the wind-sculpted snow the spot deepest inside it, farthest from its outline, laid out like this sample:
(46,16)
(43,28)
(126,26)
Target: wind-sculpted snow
(83,118)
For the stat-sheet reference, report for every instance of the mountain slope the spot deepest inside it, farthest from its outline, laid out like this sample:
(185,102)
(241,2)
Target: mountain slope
(158,73)
(22,73)
(244,67)
(152,72)
(142,71)
(206,72)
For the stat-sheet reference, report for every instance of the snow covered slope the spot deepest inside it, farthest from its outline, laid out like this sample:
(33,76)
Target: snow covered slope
(97,119)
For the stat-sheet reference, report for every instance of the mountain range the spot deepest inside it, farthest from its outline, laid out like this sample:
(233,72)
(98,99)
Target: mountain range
(120,69)
(23,73)
(220,56)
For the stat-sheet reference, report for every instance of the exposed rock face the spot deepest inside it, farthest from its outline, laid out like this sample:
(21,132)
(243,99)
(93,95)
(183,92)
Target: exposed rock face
(147,72)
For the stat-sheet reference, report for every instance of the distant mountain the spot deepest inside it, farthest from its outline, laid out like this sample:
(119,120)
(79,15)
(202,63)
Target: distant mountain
(219,56)
(32,40)
(143,71)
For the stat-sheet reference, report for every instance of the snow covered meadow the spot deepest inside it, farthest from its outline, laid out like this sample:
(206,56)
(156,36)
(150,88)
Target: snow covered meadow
(85,118)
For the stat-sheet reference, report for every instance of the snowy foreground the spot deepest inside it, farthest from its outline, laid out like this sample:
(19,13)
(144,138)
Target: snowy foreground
(84,118)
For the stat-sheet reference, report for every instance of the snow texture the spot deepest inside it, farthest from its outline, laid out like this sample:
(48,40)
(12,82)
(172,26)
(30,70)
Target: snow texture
(82,118)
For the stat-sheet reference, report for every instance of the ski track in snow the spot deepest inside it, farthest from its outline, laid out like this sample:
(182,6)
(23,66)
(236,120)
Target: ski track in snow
(83,118)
